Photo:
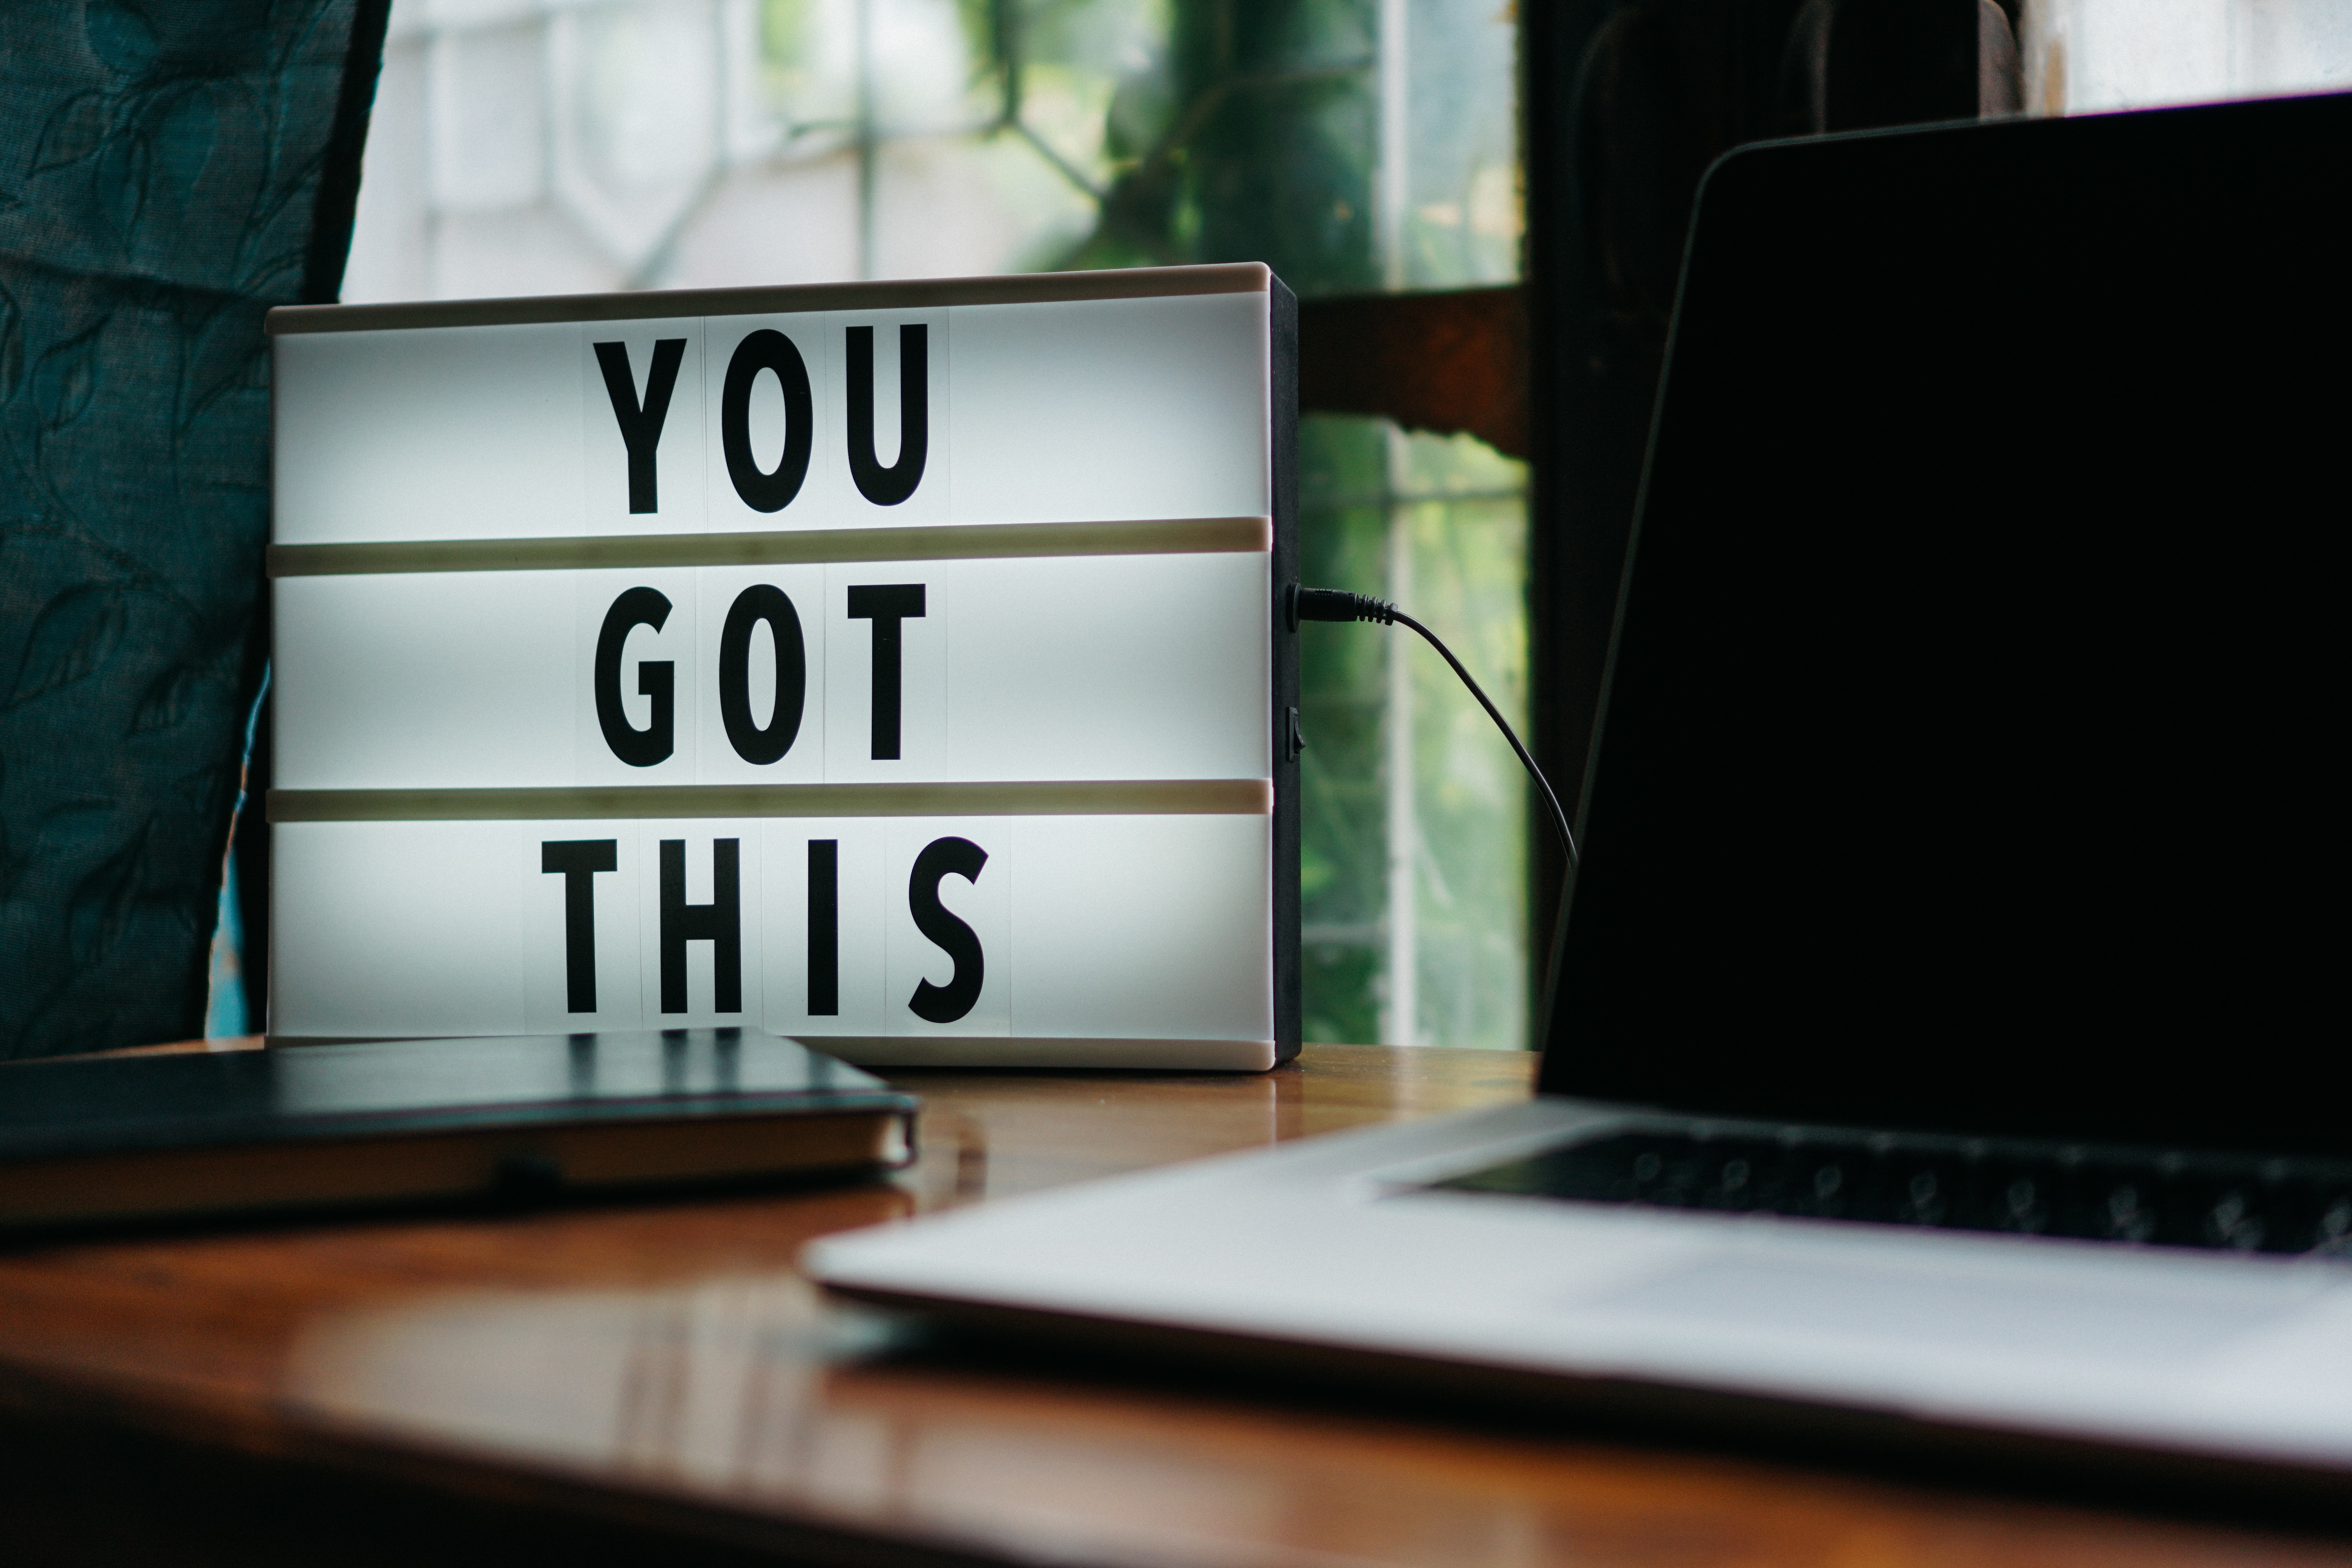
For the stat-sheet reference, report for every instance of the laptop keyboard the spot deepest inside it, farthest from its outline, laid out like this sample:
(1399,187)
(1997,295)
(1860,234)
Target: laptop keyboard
(2153,1199)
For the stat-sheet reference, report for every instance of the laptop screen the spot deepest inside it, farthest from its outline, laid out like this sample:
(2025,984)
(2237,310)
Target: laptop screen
(1973,755)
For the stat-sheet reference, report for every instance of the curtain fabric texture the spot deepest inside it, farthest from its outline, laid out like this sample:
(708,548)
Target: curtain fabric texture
(168,171)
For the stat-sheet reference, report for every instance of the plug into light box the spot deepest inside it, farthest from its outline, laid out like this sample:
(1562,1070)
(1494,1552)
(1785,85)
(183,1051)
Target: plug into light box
(1301,604)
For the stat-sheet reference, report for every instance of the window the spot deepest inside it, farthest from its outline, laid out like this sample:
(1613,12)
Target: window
(2082,55)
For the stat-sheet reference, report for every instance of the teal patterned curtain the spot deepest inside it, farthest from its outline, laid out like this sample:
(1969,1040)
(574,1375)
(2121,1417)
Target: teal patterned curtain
(168,170)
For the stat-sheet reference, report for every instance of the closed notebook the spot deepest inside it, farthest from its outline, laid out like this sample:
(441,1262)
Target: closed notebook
(321,1126)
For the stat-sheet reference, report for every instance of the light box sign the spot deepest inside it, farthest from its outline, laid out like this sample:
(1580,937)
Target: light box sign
(895,666)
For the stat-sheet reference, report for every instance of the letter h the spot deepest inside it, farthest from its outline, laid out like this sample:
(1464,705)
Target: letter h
(718,923)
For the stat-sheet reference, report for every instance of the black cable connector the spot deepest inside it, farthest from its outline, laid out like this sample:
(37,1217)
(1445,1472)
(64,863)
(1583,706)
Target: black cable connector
(1339,605)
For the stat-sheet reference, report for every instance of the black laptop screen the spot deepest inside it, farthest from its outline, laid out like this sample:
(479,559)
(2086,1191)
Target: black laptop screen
(1974,749)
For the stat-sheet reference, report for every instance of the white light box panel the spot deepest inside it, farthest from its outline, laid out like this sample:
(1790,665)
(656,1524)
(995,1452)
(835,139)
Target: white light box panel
(898,666)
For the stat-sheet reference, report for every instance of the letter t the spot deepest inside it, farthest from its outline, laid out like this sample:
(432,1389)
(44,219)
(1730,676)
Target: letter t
(579,859)
(886,604)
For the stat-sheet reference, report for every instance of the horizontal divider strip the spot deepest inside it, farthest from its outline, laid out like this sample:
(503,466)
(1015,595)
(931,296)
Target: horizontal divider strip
(966,1050)
(1043,1051)
(1123,797)
(776,300)
(980,541)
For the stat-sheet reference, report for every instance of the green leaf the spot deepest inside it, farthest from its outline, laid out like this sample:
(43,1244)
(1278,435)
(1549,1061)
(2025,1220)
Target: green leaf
(119,35)
(170,698)
(122,179)
(103,905)
(75,635)
(76,128)
(12,345)
(66,376)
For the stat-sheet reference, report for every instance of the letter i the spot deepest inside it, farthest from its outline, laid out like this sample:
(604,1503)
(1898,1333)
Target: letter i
(825,927)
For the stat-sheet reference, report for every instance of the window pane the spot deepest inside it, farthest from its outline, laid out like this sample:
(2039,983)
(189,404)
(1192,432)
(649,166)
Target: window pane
(2082,56)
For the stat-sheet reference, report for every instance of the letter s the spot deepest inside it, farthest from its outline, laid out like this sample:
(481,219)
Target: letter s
(941,858)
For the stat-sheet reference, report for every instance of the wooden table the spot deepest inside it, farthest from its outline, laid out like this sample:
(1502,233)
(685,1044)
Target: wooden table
(655,1382)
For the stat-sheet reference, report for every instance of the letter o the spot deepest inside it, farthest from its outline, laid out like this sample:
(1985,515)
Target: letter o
(766,349)
(762,602)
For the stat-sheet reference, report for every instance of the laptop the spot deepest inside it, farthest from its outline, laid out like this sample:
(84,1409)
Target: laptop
(1949,1033)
